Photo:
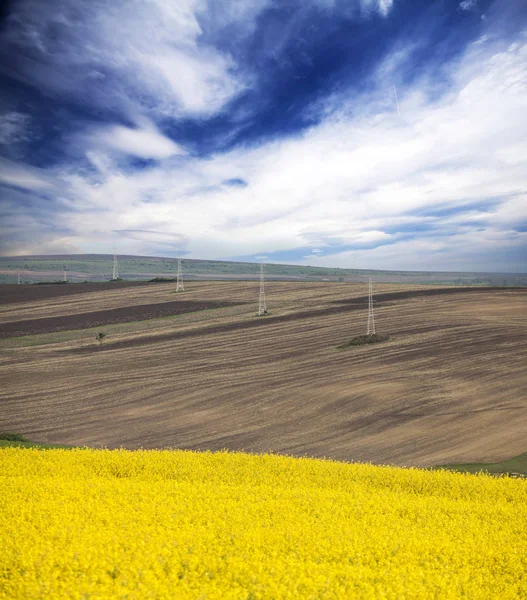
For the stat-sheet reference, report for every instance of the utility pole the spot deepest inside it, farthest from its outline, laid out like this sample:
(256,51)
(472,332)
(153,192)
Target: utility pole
(179,284)
(115,267)
(18,276)
(262,306)
(371,318)
(65,277)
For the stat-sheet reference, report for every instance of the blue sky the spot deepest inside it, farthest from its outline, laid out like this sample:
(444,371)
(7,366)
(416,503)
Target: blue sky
(387,134)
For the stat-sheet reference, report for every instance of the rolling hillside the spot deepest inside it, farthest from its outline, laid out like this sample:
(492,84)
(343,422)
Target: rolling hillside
(447,387)
(98,267)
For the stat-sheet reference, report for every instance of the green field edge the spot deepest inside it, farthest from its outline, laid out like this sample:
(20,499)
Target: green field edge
(513,466)
(11,444)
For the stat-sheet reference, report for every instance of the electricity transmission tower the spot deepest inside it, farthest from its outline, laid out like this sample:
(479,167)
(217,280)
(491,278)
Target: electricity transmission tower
(371,318)
(179,284)
(262,306)
(115,267)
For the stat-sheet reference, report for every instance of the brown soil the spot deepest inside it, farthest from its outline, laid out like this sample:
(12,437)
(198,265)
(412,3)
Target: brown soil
(448,386)
(100,318)
(14,293)
(165,309)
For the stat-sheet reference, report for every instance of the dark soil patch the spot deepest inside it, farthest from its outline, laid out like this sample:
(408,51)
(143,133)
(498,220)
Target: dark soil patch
(14,293)
(100,318)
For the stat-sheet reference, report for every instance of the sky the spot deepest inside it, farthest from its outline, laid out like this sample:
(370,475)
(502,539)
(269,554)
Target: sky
(368,134)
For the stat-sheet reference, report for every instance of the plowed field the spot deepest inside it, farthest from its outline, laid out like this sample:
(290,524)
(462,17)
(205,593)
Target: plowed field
(448,386)
(99,318)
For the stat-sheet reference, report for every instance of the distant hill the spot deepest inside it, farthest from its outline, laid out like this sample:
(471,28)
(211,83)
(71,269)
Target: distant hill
(98,267)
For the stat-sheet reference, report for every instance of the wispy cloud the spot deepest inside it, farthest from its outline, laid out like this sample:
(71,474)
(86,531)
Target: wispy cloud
(346,179)
(468,4)
(19,176)
(441,185)
(145,142)
(133,57)
(156,58)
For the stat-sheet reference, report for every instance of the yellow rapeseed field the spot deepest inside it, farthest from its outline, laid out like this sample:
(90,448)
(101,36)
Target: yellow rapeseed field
(170,524)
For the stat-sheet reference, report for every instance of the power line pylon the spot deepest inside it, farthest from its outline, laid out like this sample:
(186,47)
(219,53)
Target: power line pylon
(180,287)
(371,317)
(262,306)
(115,266)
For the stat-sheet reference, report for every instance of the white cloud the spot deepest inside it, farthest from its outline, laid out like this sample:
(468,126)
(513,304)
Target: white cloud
(144,142)
(468,4)
(152,58)
(142,57)
(366,7)
(463,252)
(344,181)
(363,178)
(381,6)
(23,177)
(48,243)
(199,84)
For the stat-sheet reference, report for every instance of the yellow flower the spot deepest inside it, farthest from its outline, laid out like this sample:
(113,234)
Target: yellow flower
(102,524)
